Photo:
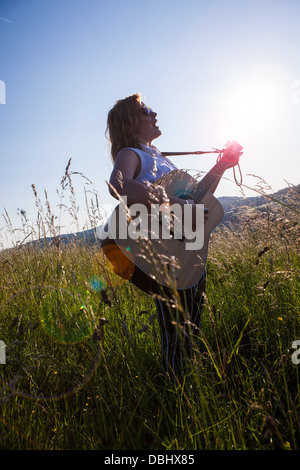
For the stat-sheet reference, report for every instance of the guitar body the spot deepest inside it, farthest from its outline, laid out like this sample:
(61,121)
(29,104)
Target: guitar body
(167,262)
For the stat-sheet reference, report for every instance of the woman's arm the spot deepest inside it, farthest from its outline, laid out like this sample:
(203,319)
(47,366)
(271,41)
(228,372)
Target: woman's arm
(122,182)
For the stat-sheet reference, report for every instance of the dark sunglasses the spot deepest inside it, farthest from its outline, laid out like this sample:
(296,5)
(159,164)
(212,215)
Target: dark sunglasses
(147,110)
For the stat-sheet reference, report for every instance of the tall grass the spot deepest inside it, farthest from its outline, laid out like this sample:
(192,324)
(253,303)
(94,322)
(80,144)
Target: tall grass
(83,366)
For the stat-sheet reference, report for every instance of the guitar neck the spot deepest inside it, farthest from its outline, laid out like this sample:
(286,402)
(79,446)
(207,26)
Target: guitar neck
(208,181)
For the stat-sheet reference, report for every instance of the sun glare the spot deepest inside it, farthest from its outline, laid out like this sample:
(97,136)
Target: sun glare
(254,103)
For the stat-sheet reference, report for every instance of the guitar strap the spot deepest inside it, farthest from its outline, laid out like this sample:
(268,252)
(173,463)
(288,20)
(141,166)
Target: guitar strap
(238,183)
(200,152)
(197,152)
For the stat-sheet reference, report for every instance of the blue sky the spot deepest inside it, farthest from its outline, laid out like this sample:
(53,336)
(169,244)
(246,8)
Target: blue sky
(213,70)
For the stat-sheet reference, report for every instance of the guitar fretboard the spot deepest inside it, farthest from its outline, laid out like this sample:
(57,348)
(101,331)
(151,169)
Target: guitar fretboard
(209,179)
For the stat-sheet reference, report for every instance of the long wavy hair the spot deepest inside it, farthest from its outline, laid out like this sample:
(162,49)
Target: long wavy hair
(122,121)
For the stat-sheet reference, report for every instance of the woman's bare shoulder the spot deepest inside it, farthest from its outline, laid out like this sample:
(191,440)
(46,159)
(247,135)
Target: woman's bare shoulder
(126,153)
(128,162)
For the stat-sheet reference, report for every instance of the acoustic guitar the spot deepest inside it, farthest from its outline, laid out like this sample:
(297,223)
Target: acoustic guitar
(167,261)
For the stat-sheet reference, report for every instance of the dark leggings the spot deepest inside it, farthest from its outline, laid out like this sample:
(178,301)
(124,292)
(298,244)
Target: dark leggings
(179,328)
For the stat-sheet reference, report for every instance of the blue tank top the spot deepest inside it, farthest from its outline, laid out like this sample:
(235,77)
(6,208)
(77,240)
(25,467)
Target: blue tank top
(153,164)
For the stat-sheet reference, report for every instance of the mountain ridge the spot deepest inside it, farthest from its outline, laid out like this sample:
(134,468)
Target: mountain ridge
(231,205)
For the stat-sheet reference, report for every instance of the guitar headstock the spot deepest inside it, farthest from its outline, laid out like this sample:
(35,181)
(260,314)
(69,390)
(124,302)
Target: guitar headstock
(231,153)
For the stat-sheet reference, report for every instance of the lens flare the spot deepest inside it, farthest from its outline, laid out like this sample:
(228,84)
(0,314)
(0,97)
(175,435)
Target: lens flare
(122,263)
(42,370)
(97,284)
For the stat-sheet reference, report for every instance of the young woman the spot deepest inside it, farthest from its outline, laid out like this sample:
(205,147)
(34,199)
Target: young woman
(132,127)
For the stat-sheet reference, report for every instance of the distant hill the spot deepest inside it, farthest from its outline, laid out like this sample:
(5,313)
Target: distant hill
(232,206)
(86,236)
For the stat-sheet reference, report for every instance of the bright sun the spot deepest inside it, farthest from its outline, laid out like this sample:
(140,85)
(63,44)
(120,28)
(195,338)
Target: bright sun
(254,103)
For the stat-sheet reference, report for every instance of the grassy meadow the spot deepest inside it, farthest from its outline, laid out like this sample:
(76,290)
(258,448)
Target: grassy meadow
(83,368)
